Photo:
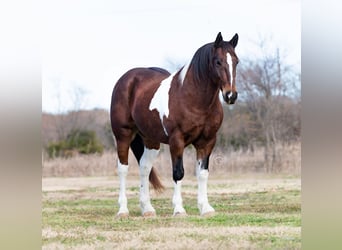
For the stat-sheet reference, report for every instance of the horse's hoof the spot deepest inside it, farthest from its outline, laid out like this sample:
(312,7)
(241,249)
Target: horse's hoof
(122,215)
(149,214)
(180,215)
(208,214)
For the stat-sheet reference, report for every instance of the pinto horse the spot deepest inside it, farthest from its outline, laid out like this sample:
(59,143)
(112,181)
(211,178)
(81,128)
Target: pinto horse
(151,106)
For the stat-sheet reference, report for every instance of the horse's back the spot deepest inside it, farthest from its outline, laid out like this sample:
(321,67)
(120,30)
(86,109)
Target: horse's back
(137,76)
(142,73)
(160,70)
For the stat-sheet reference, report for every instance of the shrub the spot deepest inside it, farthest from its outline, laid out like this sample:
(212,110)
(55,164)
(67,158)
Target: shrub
(79,141)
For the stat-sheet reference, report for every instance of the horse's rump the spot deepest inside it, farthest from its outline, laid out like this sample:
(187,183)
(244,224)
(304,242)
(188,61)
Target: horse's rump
(131,98)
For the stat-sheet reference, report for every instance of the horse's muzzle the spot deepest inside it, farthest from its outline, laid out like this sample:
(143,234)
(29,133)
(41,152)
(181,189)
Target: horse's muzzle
(230,97)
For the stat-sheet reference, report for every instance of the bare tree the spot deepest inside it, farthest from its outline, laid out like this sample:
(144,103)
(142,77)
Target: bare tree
(77,96)
(66,121)
(266,84)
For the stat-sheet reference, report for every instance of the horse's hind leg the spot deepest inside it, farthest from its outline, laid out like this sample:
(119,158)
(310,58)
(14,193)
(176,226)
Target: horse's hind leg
(145,156)
(122,147)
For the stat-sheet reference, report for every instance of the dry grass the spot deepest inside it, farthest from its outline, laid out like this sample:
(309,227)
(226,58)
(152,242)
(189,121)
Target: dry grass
(254,210)
(81,165)
(230,163)
(245,237)
(79,213)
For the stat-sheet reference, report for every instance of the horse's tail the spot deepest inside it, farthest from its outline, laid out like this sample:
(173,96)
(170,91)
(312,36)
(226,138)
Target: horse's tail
(155,181)
(137,146)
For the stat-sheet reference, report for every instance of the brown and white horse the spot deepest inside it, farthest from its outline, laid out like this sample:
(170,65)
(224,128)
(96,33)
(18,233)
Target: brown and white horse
(149,106)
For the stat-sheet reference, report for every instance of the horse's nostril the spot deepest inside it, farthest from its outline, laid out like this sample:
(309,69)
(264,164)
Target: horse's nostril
(235,95)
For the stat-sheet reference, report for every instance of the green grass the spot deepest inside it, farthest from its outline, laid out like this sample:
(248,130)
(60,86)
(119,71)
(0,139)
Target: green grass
(81,221)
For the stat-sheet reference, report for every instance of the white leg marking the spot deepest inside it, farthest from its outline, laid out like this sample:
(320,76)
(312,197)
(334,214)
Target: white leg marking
(145,163)
(160,99)
(202,177)
(122,171)
(177,200)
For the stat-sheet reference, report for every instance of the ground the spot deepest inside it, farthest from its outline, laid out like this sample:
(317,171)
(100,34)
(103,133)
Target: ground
(252,213)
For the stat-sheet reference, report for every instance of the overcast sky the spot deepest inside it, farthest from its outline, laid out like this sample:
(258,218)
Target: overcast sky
(88,45)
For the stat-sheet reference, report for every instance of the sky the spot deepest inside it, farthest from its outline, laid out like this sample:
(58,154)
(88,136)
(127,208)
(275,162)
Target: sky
(87,45)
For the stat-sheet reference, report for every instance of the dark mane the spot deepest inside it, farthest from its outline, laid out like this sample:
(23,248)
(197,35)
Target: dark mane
(200,62)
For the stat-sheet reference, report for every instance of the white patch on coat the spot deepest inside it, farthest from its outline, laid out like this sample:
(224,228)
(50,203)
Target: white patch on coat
(160,99)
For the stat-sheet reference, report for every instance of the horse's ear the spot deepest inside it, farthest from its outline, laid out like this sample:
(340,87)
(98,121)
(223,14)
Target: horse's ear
(234,40)
(218,40)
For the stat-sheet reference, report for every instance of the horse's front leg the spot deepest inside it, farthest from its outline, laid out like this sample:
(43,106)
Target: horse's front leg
(203,148)
(202,173)
(176,150)
(122,149)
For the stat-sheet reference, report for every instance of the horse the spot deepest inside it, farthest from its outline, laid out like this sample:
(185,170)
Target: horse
(150,106)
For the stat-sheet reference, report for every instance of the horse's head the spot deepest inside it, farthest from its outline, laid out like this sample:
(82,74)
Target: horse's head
(224,63)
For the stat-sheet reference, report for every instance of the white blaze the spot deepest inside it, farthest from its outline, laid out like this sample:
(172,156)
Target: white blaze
(230,65)
(160,99)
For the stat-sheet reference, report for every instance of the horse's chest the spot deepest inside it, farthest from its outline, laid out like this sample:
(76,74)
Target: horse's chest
(205,126)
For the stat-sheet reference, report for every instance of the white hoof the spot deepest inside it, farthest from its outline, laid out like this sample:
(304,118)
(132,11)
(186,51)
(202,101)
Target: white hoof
(122,215)
(147,210)
(123,210)
(179,211)
(180,215)
(206,209)
(149,214)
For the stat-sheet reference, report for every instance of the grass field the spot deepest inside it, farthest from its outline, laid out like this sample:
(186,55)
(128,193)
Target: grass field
(251,213)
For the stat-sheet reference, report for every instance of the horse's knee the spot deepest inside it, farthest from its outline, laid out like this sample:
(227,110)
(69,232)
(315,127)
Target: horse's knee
(178,174)
(178,170)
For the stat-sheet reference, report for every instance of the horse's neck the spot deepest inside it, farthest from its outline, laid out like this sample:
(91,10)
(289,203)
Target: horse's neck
(201,95)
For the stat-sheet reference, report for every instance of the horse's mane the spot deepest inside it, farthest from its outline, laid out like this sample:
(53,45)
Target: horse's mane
(200,62)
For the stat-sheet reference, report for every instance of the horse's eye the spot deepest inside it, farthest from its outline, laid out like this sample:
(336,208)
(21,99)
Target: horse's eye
(218,63)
